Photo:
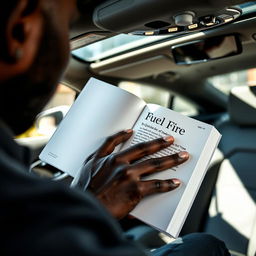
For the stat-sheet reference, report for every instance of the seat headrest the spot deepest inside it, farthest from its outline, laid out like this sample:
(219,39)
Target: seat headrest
(242,106)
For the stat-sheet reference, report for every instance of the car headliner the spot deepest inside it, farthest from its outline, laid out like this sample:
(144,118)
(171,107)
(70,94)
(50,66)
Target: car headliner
(139,65)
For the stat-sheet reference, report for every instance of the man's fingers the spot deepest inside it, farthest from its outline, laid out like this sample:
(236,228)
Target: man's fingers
(159,164)
(158,186)
(112,141)
(140,150)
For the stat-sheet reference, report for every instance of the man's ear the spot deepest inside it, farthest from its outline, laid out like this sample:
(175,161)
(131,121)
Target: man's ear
(22,37)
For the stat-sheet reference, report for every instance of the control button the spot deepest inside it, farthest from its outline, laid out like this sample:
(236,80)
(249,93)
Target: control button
(149,33)
(226,18)
(208,21)
(193,26)
(184,19)
(173,29)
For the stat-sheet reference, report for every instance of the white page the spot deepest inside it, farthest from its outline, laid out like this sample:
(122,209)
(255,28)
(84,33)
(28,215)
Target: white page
(100,111)
(194,183)
(157,210)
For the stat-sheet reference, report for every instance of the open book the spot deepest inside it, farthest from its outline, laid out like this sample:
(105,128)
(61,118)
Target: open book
(102,110)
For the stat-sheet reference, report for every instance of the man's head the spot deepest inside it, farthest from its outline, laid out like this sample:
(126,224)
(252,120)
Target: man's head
(34,50)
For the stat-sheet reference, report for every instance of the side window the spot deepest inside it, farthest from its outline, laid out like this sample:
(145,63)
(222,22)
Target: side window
(148,93)
(162,97)
(184,106)
(63,96)
(53,113)
(226,82)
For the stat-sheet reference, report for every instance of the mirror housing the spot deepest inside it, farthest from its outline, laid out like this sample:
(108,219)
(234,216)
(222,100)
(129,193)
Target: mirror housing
(206,49)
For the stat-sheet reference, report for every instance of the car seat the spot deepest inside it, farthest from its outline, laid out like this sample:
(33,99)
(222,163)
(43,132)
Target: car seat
(232,211)
(229,187)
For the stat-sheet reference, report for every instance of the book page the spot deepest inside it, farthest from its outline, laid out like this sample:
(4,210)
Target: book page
(100,111)
(190,135)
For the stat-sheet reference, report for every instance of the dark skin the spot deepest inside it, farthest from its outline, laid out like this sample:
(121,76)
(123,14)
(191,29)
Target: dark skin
(36,54)
(118,183)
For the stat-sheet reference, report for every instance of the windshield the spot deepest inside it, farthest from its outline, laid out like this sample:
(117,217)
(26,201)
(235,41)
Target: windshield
(114,45)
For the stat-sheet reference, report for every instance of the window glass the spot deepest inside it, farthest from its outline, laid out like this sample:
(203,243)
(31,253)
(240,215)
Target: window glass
(53,113)
(63,96)
(184,106)
(151,94)
(114,45)
(226,82)
(148,93)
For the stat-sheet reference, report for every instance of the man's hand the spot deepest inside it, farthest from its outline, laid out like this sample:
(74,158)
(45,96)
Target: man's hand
(118,183)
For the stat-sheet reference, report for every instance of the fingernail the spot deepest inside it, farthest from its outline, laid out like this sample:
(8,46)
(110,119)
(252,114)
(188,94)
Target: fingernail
(176,182)
(168,139)
(129,131)
(183,155)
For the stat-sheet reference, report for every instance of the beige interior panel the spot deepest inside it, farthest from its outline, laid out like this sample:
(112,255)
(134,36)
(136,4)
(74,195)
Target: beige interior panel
(138,69)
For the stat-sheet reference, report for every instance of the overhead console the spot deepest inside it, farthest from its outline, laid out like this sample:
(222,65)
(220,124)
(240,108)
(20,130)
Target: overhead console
(163,56)
(159,17)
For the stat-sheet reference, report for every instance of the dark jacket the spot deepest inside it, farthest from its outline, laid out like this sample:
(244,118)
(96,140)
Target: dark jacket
(42,217)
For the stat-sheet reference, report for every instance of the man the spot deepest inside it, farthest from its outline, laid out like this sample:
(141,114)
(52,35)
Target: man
(39,217)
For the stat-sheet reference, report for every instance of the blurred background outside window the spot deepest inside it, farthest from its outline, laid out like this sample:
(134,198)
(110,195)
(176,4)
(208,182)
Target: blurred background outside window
(54,111)
(226,82)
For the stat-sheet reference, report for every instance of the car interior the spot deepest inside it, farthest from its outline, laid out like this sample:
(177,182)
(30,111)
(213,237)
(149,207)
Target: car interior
(183,48)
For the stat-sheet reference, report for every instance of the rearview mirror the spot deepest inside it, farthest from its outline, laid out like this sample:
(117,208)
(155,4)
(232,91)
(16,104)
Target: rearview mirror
(207,49)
